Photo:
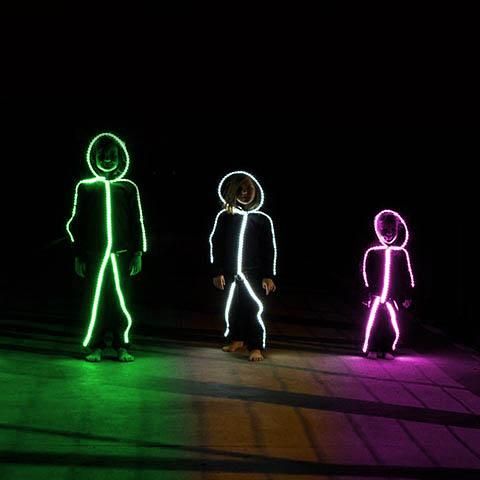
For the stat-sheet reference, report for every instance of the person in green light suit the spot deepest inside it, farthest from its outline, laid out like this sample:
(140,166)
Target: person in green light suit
(108,236)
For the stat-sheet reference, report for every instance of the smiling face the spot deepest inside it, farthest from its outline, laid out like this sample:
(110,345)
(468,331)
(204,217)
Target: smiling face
(107,159)
(391,228)
(388,228)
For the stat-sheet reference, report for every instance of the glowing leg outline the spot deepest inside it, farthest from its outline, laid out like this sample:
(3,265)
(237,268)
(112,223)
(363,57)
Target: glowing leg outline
(393,320)
(227,307)
(101,272)
(98,289)
(259,304)
(121,298)
(371,321)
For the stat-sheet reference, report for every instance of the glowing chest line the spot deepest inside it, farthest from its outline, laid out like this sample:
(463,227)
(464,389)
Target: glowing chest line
(387,268)
(241,275)
(383,298)
(101,274)
(386,274)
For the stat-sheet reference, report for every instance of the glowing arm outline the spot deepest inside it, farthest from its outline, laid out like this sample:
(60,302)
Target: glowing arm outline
(75,202)
(140,211)
(409,265)
(210,238)
(274,241)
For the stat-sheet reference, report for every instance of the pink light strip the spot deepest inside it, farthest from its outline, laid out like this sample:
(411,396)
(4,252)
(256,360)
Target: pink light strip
(364,268)
(386,274)
(412,280)
(393,320)
(371,320)
(377,230)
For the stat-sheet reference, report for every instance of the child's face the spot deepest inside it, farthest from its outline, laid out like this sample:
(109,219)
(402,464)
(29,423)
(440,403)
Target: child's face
(108,159)
(388,230)
(246,192)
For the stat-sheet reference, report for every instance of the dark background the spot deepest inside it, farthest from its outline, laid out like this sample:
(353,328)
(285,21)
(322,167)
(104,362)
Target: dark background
(323,187)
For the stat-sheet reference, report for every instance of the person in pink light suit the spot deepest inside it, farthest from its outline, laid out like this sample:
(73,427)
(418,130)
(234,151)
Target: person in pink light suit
(388,278)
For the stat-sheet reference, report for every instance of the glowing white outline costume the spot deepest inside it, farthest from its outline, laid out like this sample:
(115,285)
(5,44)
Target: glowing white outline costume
(241,240)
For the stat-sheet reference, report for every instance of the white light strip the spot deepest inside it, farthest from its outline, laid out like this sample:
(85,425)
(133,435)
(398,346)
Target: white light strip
(227,308)
(241,243)
(241,238)
(260,307)
(273,240)
(210,239)
(249,175)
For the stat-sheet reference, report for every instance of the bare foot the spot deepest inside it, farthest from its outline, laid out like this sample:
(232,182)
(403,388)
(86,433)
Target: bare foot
(124,356)
(233,347)
(256,356)
(95,356)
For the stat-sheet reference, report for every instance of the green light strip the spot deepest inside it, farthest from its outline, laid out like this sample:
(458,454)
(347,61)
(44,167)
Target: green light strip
(108,256)
(140,212)
(120,143)
(101,273)
(121,298)
(75,199)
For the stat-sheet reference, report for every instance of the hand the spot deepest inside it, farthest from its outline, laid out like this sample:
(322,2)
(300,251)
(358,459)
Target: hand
(268,285)
(367,301)
(135,265)
(407,303)
(219,282)
(80,267)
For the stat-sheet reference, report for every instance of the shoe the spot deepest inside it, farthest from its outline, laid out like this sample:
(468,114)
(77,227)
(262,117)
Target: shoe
(124,356)
(95,356)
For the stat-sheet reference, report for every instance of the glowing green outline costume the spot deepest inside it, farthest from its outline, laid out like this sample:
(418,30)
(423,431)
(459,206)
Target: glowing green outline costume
(108,255)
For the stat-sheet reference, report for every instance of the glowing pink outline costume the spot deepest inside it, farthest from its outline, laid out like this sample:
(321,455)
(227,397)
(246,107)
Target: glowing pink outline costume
(384,298)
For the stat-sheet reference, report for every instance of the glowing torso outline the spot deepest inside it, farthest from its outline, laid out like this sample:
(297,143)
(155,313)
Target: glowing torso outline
(108,255)
(384,298)
(241,240)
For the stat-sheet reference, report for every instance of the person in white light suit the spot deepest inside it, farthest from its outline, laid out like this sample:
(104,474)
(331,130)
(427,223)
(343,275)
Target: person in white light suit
(243,256)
